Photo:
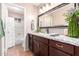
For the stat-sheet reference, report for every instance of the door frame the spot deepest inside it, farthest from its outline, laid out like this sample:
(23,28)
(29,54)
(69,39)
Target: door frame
(4,18)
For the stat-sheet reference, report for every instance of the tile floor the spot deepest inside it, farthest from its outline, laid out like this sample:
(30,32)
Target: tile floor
(18,51)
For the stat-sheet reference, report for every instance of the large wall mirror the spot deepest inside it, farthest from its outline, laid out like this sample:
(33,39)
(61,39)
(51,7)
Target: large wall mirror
(55,18)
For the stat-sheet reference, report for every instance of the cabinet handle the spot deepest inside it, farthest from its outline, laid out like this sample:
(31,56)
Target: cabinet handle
(61,46)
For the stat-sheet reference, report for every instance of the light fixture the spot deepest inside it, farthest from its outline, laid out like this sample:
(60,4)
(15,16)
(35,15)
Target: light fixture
(49,4)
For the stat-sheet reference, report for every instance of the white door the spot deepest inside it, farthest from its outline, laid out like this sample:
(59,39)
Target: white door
(10,32)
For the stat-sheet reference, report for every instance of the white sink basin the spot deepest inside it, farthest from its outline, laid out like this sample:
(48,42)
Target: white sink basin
(55,35)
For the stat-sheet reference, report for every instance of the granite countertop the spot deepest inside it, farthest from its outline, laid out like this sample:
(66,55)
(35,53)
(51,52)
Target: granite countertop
(61,38)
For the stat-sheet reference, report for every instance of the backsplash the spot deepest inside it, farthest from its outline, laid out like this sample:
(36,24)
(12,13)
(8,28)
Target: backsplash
(56,30)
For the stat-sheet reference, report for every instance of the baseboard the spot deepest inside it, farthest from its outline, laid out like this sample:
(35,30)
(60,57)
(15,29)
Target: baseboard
(5,52)
(26,49)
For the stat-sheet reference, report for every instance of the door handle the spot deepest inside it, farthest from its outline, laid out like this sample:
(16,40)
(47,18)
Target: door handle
(60,46)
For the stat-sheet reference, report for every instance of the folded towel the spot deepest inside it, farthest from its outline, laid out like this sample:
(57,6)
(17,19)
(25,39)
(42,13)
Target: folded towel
(1,29)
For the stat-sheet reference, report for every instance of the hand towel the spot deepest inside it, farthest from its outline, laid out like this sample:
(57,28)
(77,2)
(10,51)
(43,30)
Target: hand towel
(1,29)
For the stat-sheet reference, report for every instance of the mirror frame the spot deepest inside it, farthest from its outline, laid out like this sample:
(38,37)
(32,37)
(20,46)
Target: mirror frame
(53,9)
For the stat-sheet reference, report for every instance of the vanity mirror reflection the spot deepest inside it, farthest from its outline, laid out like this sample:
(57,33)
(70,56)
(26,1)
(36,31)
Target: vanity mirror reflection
(53,20)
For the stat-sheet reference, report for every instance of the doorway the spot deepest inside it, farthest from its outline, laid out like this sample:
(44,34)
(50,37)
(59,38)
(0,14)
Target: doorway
(14,27)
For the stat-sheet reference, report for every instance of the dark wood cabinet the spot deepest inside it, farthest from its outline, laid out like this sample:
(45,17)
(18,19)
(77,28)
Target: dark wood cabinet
(43,40)
(36,47)
(51,51)
(40,47)
(69,49)
(56,52)
(45,47)
(60,53)
(76,51)
(30,42)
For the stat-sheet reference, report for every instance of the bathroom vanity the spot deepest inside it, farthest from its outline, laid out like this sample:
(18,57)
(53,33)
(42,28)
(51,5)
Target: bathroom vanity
(53,21)
(45,45)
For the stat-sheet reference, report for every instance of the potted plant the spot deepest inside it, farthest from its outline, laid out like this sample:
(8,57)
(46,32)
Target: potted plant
(38,29)
(71,18)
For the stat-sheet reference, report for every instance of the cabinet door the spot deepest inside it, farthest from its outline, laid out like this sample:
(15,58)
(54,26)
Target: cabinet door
(43,49)
(76,51)
(36,47)
(51,51)
(60,53)
(56,52)
(30,42)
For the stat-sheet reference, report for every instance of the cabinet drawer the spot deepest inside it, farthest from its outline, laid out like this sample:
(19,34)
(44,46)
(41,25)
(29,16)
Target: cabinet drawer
(35,37)
(44,40)
(62,46)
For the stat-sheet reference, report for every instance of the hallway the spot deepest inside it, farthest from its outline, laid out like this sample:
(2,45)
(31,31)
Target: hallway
(18,51)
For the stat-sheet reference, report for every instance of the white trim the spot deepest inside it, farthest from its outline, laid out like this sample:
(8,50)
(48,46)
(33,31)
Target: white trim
(15,5)
(3,12)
